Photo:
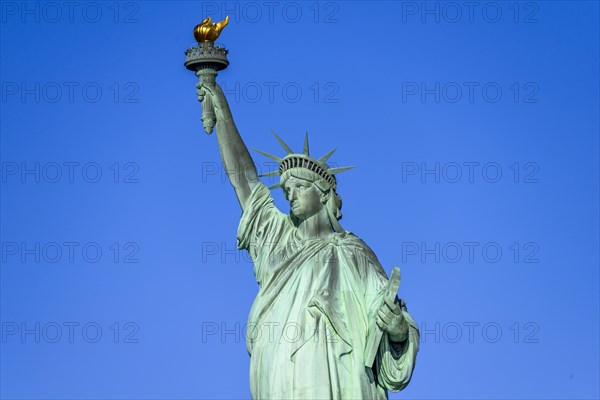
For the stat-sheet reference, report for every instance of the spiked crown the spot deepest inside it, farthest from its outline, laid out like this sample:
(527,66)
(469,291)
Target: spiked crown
(302,160)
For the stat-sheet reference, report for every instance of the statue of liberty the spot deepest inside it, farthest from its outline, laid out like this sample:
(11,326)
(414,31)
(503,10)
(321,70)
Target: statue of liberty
(326,322)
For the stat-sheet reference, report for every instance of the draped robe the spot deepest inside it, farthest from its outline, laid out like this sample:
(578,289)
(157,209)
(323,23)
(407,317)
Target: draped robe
(314,315)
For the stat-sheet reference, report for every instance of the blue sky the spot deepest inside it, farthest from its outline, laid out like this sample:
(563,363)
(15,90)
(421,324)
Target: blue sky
(475,132)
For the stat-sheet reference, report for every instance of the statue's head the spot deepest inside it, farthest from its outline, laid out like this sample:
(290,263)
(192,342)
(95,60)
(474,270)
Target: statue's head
(309,194)
(308,184)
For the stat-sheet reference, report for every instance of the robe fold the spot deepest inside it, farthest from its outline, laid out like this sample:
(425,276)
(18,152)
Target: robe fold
(310,324)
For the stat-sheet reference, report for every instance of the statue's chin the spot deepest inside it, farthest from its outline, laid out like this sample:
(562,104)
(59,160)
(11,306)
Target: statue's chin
(299,217)
(303,216)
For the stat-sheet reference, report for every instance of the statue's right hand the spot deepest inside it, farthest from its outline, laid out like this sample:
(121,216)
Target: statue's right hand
(214,92)
(202,91)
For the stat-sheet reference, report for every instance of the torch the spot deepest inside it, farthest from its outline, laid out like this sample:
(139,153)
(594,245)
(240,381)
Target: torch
(205,60)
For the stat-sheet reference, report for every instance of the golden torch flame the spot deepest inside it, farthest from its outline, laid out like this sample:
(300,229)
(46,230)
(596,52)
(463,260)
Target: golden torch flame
(207,31)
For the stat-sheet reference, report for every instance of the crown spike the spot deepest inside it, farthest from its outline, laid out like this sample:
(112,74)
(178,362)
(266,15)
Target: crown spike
(326,156)
(282,143)
(275,186)
(337,170)
(272,173)
(271,156)
(306,151)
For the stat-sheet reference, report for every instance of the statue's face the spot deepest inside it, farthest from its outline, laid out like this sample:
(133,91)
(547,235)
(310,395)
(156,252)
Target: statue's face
(303,197)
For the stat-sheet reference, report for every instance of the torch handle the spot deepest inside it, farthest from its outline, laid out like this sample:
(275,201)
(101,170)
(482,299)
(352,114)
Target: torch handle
(207,78)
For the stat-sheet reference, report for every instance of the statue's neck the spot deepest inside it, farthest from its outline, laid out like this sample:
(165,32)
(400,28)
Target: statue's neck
(315,226)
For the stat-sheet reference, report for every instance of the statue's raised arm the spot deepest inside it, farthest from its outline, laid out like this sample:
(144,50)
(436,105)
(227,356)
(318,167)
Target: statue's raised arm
(206,59)
(236,158)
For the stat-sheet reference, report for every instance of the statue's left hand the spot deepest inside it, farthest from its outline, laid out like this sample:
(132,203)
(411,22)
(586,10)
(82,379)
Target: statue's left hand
(391,320)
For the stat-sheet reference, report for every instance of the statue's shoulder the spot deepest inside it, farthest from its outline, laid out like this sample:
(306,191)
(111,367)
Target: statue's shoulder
(360,251)
(351,240)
